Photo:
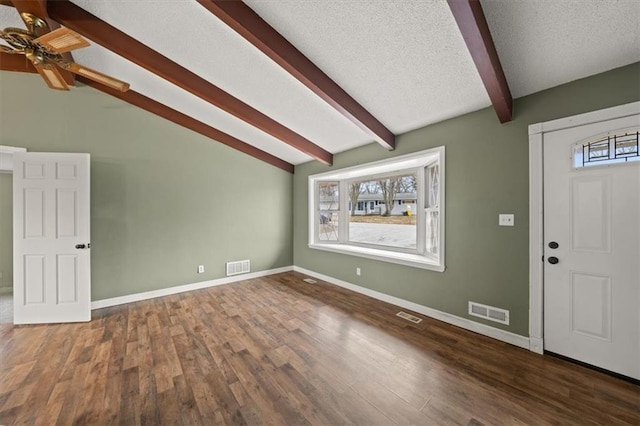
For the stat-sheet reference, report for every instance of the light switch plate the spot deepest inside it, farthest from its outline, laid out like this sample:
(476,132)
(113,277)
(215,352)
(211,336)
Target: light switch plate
(505,220)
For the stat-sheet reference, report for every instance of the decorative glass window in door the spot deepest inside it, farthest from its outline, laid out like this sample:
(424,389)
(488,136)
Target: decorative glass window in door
(612,149)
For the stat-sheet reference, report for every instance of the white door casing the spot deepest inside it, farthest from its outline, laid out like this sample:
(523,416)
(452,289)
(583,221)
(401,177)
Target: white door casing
(52,278)
(592,295)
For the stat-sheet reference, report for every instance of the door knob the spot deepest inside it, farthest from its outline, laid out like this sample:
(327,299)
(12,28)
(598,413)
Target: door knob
(553,260)
(82,246)
(553,245)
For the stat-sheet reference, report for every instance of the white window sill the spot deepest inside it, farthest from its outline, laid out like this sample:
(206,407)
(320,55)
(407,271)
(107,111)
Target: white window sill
(407,259)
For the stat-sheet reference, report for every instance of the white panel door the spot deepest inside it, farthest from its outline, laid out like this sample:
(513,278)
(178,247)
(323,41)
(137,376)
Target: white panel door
(592,293)
(51,249)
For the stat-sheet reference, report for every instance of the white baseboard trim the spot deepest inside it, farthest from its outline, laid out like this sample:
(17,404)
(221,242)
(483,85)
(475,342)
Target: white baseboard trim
(496,333)
(137,297)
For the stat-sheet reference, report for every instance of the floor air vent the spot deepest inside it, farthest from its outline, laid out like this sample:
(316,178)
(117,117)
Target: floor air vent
(489,312)
(239,267)
(310,281)
(409,317)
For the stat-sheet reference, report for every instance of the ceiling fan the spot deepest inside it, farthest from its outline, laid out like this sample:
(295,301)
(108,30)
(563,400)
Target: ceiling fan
(46,53)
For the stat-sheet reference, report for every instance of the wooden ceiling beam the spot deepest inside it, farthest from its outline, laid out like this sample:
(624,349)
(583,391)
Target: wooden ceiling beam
(10,62)
(91,27)
(475,31)
(242,19)
(39,9)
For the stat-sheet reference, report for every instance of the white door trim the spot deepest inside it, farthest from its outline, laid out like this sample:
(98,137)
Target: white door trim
(6,157)
(536,208)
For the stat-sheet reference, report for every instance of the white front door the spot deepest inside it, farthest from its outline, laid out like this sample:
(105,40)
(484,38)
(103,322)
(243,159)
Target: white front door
(51,266)
(592,213)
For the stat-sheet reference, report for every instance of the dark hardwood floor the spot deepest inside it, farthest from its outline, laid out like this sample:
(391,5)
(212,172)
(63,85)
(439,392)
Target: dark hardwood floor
(276,350)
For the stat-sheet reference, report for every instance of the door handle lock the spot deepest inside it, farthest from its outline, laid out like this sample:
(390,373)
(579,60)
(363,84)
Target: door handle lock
(553,260)
(83,246)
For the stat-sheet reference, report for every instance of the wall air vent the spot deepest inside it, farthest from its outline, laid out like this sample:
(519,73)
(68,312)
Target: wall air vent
(238,267)
(489,312)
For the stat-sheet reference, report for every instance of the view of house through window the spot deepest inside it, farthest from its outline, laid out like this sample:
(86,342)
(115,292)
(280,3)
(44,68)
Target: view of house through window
(383,211)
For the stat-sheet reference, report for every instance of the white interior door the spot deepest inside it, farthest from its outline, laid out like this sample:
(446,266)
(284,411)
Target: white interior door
(51,250)
(592,295)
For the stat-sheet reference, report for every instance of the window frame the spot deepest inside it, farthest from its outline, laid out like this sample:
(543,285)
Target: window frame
(417,163)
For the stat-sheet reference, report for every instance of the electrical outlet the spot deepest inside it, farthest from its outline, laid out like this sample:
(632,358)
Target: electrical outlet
(200,269)
(358,272)
(505,220)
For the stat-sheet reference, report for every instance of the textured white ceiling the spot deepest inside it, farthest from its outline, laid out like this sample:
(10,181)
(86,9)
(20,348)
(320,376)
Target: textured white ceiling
(405,61)
(545,43)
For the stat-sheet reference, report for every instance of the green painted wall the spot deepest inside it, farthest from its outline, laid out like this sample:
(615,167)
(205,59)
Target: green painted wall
(486,174)
(163,199)
(6,236)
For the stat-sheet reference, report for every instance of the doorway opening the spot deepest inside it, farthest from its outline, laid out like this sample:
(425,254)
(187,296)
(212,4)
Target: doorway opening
(6,233)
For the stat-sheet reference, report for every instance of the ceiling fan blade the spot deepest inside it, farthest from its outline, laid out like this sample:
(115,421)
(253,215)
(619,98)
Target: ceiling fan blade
(62,40)
(52,76)
(97,76)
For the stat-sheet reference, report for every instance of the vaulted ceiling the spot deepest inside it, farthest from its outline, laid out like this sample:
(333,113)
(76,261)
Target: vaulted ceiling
(290,81)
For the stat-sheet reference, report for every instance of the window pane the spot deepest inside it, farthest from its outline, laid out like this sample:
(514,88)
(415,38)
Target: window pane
(329,196)
(433,232)
(627,145)
(433,182)
(328,226)
(372,223)
(599,150)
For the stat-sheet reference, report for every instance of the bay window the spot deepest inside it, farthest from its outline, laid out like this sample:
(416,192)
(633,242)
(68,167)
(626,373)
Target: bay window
(390,210)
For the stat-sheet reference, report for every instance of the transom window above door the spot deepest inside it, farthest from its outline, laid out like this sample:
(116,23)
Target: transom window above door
(390,210)
(622,147)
